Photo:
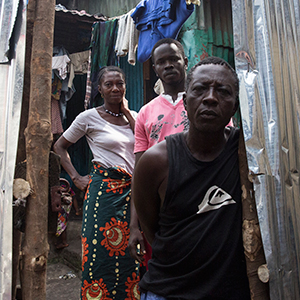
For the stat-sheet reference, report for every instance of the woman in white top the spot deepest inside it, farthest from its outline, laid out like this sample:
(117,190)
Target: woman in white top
(107,268)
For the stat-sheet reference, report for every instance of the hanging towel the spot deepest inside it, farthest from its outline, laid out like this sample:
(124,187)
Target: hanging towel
(127,38)
(80,61)
(79,65)
(158,19)
(120,36)
(60,63)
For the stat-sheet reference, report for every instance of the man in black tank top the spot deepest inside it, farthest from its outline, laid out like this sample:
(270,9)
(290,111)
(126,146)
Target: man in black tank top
(187,195)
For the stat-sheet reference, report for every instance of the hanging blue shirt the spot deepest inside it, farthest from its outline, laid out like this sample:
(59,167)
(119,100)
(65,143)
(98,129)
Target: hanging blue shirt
(158,19)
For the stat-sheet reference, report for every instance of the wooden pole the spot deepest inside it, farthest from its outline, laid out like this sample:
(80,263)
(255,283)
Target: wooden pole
(253,247)
(38,142)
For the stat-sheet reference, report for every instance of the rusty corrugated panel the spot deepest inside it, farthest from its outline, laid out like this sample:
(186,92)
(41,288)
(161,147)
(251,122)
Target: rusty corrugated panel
(208,31)
(134,83)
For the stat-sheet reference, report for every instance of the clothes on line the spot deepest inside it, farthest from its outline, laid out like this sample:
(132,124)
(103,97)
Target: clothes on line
(158,19)
(64,68)
(127,38)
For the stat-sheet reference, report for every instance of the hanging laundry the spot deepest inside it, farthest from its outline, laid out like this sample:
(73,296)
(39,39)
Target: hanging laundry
(120,36)
(196,2)
(61,69)
(80,61)
(158,19)
(79,65)
(104,36)
(127,38)
(60,63)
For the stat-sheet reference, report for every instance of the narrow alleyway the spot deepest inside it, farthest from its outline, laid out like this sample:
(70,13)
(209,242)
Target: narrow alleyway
(64,266)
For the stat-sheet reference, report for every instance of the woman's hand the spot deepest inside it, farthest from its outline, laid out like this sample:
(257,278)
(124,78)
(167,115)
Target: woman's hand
(124,106)
(81,182)
(127,113)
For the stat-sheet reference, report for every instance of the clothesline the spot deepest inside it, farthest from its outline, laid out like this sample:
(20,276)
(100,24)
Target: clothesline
(130,33)
(188,2)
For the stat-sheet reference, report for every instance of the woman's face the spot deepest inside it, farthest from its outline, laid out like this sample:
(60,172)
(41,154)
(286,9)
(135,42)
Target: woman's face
(112,87)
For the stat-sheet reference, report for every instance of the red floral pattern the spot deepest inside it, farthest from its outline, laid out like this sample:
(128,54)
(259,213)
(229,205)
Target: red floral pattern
(116,185)
(88,189)
(95,290)
(98,168)
(133,288)
(116,236)
(85,251)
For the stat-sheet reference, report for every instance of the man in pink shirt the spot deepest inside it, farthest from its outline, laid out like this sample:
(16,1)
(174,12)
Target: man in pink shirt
(162,116)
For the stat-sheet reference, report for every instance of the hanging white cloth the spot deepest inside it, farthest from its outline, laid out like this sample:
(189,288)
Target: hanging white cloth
(127,38)
(60,63)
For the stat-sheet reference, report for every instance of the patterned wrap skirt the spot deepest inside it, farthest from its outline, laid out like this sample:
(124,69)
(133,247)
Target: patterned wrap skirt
(108,271)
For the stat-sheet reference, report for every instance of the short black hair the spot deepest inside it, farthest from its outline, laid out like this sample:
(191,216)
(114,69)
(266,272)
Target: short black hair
(106,69)
(167,41)
(216,61)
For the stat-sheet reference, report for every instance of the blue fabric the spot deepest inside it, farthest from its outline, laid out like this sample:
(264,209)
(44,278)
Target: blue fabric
(158,19)
(151,296)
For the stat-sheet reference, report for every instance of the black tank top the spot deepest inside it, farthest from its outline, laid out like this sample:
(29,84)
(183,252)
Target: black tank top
(198,252)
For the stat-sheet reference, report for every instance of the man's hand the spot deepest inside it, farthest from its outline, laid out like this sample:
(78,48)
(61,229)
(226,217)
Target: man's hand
(136,245)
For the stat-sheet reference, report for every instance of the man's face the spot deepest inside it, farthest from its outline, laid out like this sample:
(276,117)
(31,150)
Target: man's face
(169,64)
(211,97)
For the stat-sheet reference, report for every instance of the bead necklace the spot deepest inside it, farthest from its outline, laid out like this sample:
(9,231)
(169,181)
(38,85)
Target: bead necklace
(112,113)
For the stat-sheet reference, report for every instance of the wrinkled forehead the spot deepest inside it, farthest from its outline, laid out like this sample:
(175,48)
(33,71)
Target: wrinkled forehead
(213,73)
(112,75)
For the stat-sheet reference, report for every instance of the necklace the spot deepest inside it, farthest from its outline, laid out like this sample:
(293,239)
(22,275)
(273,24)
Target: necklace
(112,113)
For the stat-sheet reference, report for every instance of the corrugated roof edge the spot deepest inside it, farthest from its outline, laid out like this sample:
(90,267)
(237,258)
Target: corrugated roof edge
(81,13)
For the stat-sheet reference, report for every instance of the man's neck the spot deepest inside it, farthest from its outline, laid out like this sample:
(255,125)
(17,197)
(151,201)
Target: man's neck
(173,90)
(206,146)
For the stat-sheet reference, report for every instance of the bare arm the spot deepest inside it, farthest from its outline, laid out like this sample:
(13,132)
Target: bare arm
(148,188)
(136,237)
(60,147)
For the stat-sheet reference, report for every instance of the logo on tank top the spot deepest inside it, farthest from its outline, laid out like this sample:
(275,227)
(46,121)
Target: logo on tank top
(214,198)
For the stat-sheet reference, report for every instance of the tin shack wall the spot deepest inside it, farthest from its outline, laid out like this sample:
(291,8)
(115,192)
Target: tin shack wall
(266,42)
(12,27)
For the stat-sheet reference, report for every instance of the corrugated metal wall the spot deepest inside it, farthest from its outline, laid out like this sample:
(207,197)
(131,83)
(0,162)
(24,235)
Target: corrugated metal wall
(11,87)
(134,83)
(266,42)
(208,31)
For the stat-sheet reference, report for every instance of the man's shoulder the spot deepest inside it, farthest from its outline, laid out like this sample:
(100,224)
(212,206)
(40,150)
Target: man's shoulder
(156,154)
(153,103)
(158,104)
